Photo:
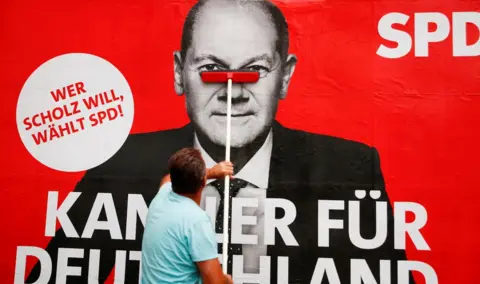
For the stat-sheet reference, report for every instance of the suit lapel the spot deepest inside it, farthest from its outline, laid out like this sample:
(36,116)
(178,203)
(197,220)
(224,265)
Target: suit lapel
(280,158)
(283,184)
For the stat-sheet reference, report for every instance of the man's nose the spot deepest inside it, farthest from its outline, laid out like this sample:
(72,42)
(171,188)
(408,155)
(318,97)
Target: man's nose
(238,92)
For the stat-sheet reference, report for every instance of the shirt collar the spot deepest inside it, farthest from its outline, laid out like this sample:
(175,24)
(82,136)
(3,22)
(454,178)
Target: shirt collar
(257,169)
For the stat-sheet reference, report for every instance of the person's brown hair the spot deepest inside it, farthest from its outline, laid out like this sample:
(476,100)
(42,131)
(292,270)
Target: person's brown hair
(187,171)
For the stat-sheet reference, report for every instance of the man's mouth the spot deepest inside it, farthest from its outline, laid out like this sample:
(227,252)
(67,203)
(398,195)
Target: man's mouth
(233,114)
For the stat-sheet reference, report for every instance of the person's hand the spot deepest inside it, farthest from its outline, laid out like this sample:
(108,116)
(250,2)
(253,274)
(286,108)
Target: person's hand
(228,279)
(220,170)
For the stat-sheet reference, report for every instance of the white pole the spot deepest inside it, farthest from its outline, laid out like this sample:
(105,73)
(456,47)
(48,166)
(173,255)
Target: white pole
(227,180)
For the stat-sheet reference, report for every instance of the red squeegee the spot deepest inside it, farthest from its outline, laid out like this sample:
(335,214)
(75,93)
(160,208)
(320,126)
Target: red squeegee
(236,76)
(229,77)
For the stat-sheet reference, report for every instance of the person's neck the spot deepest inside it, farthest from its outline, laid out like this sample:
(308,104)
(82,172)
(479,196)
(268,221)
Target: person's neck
(238,156)
(193,196)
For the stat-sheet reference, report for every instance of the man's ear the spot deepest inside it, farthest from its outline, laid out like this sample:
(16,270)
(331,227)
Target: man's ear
(288,69)
(178,72)
(204,183)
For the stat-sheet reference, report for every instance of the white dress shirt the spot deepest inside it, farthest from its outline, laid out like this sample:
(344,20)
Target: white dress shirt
(256,173)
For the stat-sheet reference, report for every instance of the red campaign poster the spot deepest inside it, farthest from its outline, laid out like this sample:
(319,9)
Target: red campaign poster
(357,145)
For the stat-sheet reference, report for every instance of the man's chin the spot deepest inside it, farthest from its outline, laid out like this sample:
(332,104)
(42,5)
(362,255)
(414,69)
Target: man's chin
(220,122)
(240,136)
(235,142)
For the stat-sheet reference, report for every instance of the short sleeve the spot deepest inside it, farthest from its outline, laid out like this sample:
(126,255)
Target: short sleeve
(202,241)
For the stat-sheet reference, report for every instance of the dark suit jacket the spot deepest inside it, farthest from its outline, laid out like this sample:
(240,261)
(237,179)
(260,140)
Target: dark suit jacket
(304,168)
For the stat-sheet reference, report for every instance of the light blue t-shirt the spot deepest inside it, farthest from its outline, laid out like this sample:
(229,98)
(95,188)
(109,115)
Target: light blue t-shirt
(177,234)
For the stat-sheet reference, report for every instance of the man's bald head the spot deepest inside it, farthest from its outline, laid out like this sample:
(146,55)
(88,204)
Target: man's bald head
(233,34)
(271,10)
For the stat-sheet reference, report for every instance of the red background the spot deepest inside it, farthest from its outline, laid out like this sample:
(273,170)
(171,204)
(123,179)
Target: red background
(420,113)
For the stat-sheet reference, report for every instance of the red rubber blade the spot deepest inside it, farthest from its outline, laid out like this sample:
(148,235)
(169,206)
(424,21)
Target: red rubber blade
(236,76)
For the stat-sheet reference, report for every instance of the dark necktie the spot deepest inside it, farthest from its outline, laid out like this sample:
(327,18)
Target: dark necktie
(235,185)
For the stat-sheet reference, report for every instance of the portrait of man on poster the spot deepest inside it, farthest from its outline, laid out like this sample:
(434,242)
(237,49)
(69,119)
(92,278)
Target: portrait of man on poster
(270,161)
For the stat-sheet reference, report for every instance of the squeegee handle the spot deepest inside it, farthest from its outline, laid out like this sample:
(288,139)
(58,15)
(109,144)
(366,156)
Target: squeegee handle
(226,196)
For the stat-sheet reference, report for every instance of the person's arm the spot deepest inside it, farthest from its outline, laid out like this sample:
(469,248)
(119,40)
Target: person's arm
(203,250)
(220,170)
(211,272)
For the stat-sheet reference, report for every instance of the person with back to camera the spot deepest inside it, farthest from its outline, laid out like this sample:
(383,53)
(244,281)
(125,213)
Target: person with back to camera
(179,243)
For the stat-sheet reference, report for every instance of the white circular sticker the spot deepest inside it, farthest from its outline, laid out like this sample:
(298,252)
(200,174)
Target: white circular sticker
(74,112)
